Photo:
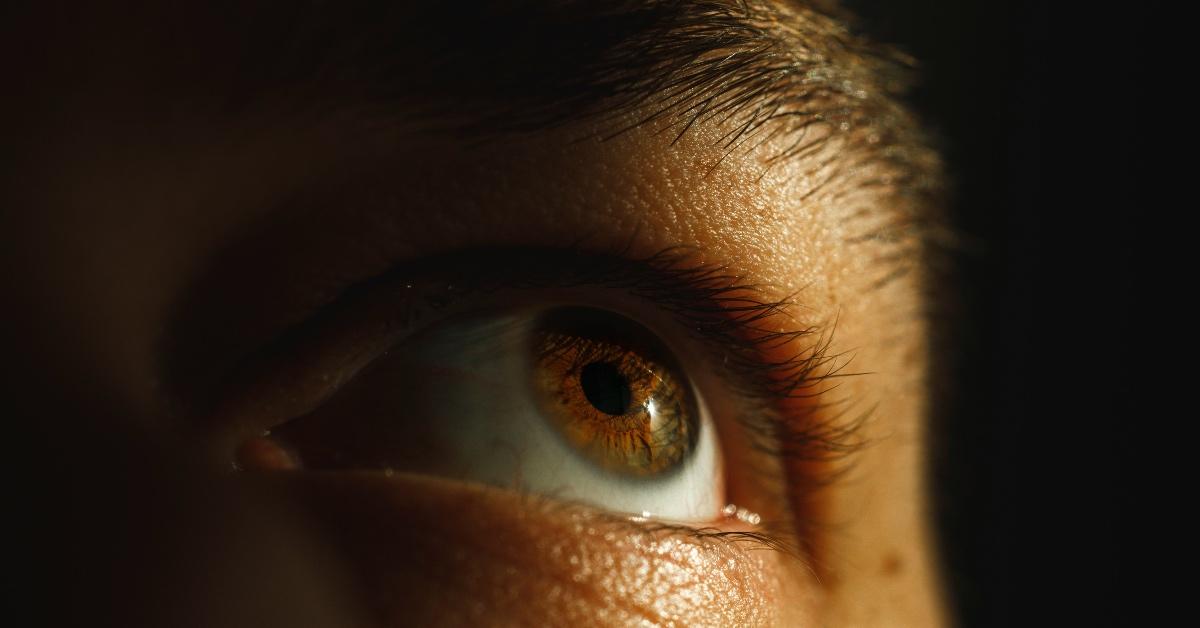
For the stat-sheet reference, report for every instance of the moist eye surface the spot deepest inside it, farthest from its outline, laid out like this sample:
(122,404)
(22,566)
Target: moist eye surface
(573,402)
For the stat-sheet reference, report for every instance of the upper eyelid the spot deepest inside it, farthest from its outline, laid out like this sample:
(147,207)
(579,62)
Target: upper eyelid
(715,306)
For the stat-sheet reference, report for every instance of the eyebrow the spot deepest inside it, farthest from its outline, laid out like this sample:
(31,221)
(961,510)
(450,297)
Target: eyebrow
(767,69)
(788,73)
(514,67)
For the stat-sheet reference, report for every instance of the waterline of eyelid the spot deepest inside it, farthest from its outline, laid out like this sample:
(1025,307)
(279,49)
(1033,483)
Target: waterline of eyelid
(730,511)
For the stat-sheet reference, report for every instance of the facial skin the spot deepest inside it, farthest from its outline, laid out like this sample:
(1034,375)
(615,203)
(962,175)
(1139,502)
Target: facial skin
(159,241)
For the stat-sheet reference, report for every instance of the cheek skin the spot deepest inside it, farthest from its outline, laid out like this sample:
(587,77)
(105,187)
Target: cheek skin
(435,552)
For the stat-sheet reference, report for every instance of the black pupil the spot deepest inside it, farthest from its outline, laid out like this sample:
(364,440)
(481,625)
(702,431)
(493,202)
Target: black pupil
(605,388)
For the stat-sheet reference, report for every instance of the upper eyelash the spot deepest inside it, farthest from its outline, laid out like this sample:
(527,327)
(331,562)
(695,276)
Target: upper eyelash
(724,310)
(787,410)
(741,322)
(719,308)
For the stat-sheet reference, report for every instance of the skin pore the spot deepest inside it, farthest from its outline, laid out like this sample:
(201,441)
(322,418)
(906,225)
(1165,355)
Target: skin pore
(165,241)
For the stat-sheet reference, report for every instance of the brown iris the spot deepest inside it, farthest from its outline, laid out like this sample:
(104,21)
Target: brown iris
(613,394)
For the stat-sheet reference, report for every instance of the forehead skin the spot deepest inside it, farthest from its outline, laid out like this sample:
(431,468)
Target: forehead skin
(128,204)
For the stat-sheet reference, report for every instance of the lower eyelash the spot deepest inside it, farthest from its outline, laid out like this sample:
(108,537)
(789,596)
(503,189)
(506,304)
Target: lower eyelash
(769,536)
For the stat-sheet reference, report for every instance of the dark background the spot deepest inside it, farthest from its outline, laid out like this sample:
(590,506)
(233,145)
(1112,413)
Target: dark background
(1027,108)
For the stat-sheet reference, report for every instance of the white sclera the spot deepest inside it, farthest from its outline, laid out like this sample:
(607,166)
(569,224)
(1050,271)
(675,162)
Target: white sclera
(484,412)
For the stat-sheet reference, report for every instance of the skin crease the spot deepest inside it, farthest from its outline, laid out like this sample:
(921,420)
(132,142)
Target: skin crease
(160,197)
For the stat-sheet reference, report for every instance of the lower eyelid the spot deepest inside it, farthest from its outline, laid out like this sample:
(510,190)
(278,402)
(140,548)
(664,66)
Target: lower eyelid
(493,549)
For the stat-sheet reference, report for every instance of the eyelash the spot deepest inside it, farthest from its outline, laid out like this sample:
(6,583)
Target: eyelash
(785,416)
(717,306)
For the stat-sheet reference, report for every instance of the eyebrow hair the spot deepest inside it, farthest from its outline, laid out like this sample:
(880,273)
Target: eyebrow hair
(768,70)
(790,73)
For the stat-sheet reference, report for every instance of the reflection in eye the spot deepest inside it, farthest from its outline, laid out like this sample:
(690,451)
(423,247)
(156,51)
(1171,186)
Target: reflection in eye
(575,403)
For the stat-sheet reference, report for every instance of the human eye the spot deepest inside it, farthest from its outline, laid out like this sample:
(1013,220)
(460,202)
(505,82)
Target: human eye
(618,384)
(573,402)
